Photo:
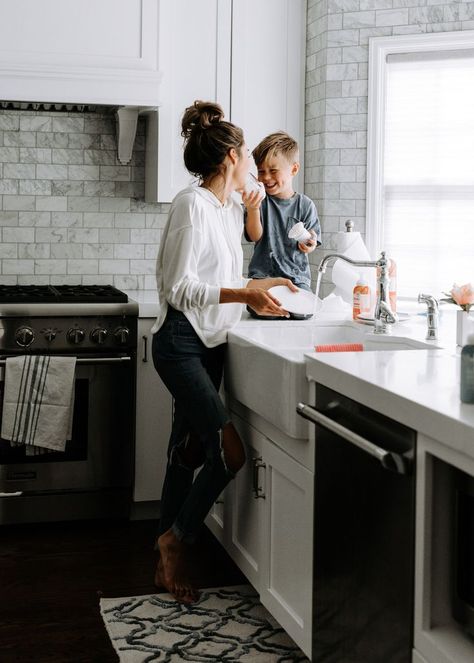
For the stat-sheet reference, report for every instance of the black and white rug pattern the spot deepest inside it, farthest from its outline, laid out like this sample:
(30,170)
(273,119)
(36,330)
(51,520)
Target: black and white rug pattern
(226,624)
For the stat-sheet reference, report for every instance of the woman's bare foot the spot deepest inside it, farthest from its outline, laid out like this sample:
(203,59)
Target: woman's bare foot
(158,580)
(170,571)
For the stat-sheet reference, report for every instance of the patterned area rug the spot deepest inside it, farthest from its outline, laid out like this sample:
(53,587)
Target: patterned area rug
(226,624)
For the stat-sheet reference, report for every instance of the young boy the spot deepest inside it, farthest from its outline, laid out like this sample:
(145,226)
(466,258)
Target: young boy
(267,223)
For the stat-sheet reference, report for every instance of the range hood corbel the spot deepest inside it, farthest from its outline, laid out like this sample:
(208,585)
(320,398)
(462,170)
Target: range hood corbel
(127,119)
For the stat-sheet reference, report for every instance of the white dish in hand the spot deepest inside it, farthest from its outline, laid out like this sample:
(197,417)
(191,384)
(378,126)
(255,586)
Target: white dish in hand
(301,302)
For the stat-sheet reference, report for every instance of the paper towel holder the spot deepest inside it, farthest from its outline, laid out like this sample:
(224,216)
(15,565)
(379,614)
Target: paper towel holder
(349,225)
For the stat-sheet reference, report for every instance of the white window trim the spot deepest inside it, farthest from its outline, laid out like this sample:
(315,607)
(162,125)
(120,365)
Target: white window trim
(379,48)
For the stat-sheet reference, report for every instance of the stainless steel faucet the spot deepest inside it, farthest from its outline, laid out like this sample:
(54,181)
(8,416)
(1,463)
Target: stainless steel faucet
(432,316)
(383,314)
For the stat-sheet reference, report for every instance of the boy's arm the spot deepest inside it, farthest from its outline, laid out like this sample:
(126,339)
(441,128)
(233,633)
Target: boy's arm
(253,225)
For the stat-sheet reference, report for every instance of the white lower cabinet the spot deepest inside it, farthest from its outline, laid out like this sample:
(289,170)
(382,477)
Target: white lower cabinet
(265,524)
(286,583)
(153,421)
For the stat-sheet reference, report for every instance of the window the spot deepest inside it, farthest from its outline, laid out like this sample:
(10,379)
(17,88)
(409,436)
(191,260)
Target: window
(420,203)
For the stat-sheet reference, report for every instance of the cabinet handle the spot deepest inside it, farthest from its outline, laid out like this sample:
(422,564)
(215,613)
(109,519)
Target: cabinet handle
(258,491)
(219,501)
(145,349)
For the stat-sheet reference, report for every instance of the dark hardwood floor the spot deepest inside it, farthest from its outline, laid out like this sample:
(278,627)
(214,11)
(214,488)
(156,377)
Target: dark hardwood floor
(52,576)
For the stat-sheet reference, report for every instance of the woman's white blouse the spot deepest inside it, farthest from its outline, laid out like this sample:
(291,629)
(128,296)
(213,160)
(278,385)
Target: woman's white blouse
(200,253)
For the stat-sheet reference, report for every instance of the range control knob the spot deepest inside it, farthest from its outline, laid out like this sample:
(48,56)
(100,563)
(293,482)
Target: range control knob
(121,335)
(76,335)
(50,334)
(24,336)
(99,335)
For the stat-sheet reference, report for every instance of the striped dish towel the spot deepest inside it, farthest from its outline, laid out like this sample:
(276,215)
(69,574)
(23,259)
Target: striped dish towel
(340,347)
(38,402)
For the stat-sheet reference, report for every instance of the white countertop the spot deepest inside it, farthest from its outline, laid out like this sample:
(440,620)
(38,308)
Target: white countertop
(418,388)
(147,301)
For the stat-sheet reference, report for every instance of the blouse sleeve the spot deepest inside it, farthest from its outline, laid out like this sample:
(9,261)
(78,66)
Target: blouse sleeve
(181,284)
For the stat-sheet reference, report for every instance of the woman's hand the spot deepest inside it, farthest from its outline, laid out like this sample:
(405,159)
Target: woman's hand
(264,303)
(256,296)
(310,244)
(253,199)
(267,304)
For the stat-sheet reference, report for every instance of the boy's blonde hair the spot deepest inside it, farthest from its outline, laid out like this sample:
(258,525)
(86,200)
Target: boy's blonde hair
(277,143)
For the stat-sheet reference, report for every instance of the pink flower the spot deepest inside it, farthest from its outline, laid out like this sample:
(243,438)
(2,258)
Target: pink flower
(463,295)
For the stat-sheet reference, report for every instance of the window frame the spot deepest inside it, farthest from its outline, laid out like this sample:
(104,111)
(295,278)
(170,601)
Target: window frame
(379,49)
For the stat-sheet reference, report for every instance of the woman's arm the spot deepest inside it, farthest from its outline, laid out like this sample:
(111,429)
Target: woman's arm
(256,296)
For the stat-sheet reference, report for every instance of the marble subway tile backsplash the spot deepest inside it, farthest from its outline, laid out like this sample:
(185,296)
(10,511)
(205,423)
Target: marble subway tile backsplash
(338,34)
(69,211)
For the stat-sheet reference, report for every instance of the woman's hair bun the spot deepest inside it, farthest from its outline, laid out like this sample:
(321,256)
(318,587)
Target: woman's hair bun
(201,115)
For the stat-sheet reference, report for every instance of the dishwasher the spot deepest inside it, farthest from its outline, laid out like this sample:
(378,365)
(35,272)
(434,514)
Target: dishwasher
(364,521)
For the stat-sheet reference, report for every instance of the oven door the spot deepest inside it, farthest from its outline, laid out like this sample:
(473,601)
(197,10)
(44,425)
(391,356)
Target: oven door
(100,453)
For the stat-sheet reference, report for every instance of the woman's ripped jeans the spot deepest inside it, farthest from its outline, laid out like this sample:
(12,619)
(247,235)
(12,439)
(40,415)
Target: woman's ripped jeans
(192,373)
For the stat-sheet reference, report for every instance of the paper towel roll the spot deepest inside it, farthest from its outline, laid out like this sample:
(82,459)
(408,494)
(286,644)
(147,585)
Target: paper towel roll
(344,275)
(352,245)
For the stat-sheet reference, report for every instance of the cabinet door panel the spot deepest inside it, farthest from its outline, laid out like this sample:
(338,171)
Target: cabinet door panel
(268,68)
(154,419)
(194,56)
(286,588)
(246,508)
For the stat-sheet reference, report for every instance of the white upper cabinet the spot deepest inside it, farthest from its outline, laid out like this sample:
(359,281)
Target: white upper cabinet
(248,55)
(80,52)
(268,51)
(194,56)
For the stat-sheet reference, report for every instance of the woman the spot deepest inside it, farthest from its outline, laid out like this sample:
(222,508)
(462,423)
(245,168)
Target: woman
(201,292)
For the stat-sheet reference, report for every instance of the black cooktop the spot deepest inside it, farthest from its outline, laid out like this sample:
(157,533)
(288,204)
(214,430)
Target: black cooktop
(61,294)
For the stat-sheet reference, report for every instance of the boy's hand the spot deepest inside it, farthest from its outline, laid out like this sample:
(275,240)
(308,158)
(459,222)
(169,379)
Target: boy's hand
(253,199)
(309,245)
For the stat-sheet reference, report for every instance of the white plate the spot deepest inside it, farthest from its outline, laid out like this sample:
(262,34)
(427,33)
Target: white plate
(301,302)
(369,319)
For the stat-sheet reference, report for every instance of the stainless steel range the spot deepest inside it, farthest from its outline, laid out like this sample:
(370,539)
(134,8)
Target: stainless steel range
(93,476)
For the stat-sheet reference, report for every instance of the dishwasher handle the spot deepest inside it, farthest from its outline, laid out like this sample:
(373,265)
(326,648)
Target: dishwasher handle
(389,460)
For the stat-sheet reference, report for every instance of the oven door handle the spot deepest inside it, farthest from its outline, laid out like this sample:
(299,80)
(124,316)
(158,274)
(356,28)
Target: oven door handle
(389,460)
(90,360)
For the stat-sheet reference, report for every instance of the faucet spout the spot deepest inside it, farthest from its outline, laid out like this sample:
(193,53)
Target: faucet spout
(383,315)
